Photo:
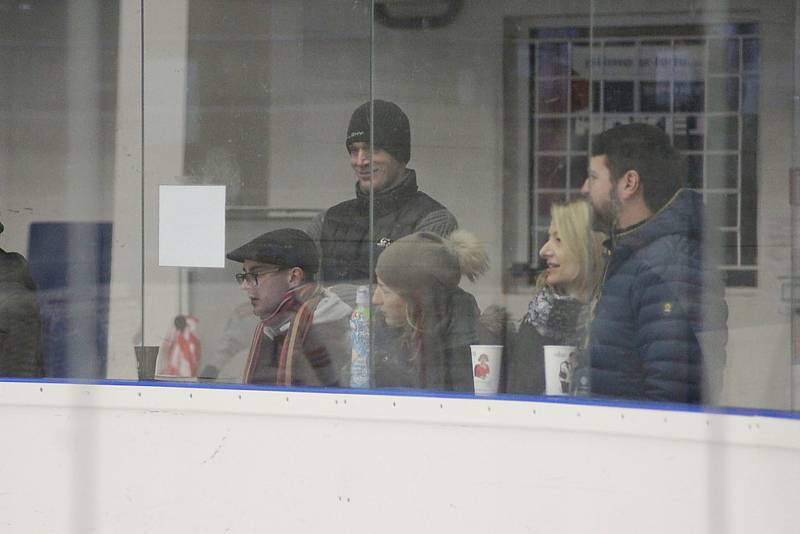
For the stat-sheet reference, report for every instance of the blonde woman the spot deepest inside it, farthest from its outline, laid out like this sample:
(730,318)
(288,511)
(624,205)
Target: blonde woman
(559,311)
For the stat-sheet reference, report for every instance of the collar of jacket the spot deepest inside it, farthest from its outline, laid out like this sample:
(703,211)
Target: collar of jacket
(389,199)
(682,214)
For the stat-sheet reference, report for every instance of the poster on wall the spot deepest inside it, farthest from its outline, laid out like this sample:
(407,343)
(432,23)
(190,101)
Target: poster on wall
(191,226)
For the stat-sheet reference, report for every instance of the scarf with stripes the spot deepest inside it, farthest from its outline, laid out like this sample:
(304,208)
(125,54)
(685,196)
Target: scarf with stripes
(297,310)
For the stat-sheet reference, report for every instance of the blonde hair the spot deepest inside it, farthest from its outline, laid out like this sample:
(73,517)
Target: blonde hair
(573,222)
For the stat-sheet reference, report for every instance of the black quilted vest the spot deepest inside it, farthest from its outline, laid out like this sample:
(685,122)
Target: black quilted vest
(345,241)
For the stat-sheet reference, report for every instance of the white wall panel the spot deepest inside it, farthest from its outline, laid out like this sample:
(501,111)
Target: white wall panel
(133,458)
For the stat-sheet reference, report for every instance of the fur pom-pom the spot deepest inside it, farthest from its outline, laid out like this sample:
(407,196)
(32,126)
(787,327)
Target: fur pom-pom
(471,253)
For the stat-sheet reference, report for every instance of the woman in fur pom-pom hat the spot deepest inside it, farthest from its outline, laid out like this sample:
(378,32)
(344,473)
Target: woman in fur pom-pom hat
(426,321)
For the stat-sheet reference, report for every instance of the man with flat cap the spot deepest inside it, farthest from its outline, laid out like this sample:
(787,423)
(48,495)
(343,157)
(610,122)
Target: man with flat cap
(302,338)
(399,207)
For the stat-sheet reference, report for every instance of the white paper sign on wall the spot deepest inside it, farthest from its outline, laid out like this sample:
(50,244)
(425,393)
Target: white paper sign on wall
(191,226)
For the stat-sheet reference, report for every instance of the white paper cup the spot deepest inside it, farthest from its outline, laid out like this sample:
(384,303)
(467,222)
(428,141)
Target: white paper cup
(559,362)
(486,363)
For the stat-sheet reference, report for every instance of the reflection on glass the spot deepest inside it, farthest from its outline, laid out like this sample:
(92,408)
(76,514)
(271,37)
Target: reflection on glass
(552,134)
(553,59)
(655,60)
(723,94)
(689,96)
(723,133)
(723,56)
(552,172)
(694,172)
(688,132)
(688,61)
(552,96)
(582,59)
(655,96)
(722,171)
(58,118)
(260,97)
(751,55)
(620,60)
(617,97)
(750,94)
(577,171)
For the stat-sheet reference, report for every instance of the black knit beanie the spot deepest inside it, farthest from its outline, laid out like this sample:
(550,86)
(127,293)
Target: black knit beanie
(392,132)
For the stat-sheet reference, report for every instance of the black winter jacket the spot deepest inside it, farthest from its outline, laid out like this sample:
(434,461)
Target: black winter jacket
(551,320)
(345,242)
(20,324)
(660,305)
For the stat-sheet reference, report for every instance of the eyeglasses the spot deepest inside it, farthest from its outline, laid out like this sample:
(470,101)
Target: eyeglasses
(251,278)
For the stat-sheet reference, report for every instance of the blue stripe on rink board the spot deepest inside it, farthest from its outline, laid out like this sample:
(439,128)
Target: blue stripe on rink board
(577,401)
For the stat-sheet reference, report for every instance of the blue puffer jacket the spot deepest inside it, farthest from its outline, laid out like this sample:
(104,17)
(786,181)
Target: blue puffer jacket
(661,310)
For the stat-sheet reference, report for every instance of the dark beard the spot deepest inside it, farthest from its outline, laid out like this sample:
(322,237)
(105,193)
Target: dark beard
(602,222)
(605,221)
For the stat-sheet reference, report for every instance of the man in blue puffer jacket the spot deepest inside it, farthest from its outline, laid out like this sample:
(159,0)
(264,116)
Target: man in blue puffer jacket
(660,321)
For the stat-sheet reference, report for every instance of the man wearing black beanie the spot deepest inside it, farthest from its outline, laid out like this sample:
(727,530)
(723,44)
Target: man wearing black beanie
(399,208)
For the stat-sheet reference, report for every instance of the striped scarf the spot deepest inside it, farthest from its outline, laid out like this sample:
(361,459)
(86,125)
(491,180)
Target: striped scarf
(297,309)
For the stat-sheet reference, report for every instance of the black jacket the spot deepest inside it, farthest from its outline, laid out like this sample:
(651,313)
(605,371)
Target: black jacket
(448,360)
(345,242)
(551,320)
(20,324)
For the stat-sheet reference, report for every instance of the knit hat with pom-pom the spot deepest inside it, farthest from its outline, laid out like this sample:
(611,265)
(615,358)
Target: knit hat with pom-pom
(427,261)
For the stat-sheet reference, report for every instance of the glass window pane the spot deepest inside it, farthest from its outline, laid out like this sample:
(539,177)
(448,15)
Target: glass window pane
(723,171)
(688,132)
(689,96)
(552,96)
(723,94)
(689,60)
(69,152)
(655,96)
(694,164)
(552,134)
(552,172)
(723,133)
(723,56)
(232,90)
(362,126)
(553,59)
(578,171)
(617,97)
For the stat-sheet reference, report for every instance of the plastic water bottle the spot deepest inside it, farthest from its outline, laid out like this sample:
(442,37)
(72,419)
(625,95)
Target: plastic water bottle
(359,333)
